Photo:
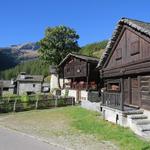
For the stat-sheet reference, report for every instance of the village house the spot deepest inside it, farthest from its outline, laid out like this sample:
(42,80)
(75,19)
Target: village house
(1,87)
(29,84)
(125,69)
(80,78)
(8,87)
(46,87)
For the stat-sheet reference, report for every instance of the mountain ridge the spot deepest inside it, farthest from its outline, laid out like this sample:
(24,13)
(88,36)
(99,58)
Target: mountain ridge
(22,52)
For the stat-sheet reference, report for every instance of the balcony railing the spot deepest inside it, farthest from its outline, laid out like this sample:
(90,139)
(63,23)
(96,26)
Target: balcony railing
(82,85)
(113,100)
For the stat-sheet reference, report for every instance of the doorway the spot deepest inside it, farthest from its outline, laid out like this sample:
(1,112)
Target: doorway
(131,91)
(135,100)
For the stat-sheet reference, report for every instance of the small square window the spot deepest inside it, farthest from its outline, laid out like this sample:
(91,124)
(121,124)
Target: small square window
(118,53)
(135,48)
(33,85)
(115,87)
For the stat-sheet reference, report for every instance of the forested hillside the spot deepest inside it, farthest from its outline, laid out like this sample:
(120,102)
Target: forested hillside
(7,61)
(15,54)
(36,66)
(94,49)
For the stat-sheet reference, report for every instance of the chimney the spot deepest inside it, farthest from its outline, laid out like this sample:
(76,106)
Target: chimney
(22,75)
(12,81)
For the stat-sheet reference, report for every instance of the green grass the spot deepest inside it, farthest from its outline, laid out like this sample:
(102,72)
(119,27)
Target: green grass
(89,123)
(74,120)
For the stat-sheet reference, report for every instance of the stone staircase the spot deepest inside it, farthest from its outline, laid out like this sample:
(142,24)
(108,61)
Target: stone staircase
(138,122)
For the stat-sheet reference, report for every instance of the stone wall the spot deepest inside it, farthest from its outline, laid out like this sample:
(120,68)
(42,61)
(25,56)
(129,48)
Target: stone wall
(29,87)
(9,91)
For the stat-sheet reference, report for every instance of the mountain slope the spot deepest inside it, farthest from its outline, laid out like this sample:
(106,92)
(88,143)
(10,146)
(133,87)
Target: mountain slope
(95,49)
(35,67)
(15,54)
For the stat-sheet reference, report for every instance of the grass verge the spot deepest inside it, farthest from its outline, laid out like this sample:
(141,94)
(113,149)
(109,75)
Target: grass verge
(90,123)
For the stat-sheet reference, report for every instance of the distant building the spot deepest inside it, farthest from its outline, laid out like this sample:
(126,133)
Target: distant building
(45,87)
(8,87)
(29,84)
(1,85)
(80,77)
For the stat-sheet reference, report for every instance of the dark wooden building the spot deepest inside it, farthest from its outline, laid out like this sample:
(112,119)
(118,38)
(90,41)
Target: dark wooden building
(81,73)
(125,66)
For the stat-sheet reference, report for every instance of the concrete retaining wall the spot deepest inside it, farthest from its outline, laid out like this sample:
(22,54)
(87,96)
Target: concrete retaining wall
(91,105)
(114,115)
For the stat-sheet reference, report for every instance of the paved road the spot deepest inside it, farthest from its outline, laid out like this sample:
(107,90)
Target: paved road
(12,140)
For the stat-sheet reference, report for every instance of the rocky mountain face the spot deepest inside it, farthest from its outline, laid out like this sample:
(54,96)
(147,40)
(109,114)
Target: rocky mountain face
(15,54)
(27,46)
(24,52)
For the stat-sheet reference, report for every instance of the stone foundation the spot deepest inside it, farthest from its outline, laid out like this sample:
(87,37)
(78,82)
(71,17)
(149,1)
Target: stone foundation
(114,115)
(91,105)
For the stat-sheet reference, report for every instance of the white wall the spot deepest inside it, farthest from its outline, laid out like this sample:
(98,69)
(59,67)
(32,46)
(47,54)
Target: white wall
(84,95)
(73,93)
(91,105)
(110,114)
(54,82)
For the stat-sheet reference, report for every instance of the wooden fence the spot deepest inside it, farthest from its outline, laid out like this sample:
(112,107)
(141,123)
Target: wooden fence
(16,104)
(112,100)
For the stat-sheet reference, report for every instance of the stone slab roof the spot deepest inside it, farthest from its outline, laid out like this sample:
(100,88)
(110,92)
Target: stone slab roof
(84,57)
(30,78)
(7,84)
(140,26)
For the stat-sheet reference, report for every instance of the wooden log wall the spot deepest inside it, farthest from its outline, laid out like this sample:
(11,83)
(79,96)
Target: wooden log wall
(145,91)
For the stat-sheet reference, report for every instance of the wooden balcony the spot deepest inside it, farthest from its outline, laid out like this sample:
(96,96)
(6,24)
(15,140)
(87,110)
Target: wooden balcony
(82,85)
(113,100)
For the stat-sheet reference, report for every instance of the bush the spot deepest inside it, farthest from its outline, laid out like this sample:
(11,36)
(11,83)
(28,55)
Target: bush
(61,102)
(24,102)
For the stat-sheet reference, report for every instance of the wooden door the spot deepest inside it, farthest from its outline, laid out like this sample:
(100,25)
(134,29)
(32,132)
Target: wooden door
(135,100)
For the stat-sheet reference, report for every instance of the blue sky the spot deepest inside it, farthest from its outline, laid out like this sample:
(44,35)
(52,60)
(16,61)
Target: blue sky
(94,20)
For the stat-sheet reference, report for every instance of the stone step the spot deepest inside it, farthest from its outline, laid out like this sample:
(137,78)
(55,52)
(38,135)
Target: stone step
(142,121)
(144,128)
(132,112)
(137,116)
(146,135)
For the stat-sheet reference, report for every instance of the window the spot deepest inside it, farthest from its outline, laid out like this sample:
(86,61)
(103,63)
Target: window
(135,47)
(78,70)
(33,85)
(113,86)
(118,53)
(68,69)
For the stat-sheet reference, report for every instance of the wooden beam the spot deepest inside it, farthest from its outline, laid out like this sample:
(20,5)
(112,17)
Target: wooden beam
(88,74)
(129,90)
(139,90)
(122,95)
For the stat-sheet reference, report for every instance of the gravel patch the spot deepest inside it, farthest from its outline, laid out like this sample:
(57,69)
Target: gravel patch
(54,128)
